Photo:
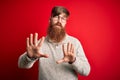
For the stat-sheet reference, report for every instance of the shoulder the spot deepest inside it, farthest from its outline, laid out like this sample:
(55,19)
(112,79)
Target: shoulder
(73,39)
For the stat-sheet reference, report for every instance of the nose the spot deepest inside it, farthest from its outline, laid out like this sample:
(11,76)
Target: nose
(59,19)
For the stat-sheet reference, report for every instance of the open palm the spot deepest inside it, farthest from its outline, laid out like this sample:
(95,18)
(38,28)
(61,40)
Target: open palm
(34,45)
(69,55)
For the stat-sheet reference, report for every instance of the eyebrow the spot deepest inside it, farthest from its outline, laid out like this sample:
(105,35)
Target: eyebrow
(63,15)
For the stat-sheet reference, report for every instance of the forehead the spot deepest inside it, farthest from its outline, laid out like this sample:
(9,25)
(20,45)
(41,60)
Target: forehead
(62,15)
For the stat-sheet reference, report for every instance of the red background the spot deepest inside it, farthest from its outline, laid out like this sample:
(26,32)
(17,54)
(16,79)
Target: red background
(96,23)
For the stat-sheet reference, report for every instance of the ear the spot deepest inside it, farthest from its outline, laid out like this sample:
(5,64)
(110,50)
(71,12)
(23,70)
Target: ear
(49,19)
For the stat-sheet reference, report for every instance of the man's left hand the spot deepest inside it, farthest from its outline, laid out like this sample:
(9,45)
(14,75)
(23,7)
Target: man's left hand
(69,55)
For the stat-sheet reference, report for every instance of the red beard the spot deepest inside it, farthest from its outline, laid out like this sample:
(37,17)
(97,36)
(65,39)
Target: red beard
(56,32)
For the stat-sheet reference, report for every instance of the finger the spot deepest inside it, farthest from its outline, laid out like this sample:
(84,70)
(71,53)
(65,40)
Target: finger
(68,47)
(60,61)
(27,42)
(31,39)
(35,39)
(72,49)
(63,48)
(41,42)
(44,55)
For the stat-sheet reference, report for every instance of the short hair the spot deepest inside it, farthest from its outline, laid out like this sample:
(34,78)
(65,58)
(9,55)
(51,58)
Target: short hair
(57,10)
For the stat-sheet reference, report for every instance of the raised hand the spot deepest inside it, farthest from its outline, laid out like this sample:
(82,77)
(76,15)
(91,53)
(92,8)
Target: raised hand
(34,45)
(69,55)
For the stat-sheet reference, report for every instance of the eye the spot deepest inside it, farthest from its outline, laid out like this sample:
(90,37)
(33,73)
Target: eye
(63,18)
(55,17)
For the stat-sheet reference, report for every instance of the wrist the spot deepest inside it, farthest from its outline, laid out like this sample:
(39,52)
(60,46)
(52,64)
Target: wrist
(32,58)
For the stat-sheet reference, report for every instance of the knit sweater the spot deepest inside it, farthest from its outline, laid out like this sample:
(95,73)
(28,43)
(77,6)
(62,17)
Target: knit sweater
(49,69)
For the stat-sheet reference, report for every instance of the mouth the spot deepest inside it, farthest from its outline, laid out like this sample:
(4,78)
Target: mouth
(57,26)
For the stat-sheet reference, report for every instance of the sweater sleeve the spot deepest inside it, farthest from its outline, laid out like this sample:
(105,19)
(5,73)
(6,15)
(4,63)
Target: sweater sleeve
(25,62)
(81,64)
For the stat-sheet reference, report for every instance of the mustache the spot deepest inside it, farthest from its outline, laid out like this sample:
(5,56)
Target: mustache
(58,24)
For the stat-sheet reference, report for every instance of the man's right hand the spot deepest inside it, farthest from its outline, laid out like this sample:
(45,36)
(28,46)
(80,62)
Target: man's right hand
(34,45)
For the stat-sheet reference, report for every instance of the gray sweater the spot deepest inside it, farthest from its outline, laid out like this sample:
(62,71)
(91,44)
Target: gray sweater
(50,70)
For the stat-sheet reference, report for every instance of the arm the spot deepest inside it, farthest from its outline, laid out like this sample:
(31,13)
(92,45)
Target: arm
(25,62)
(76,58)
(81,64)
(33,52)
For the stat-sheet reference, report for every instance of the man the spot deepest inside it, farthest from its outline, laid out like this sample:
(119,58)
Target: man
(60,55)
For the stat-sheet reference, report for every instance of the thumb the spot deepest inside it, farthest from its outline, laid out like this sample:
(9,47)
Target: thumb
(60,61)
(44,55)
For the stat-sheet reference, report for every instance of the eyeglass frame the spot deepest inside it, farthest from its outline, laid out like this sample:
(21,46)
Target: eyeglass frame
(63,19)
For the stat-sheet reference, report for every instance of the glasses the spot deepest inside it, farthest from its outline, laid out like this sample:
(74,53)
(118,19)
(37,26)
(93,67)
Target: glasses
(63,19)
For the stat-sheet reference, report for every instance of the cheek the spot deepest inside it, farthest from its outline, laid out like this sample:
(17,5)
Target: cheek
(54,22)
(63,24)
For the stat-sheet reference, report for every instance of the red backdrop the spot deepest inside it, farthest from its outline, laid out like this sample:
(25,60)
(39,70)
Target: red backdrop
(94,22)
